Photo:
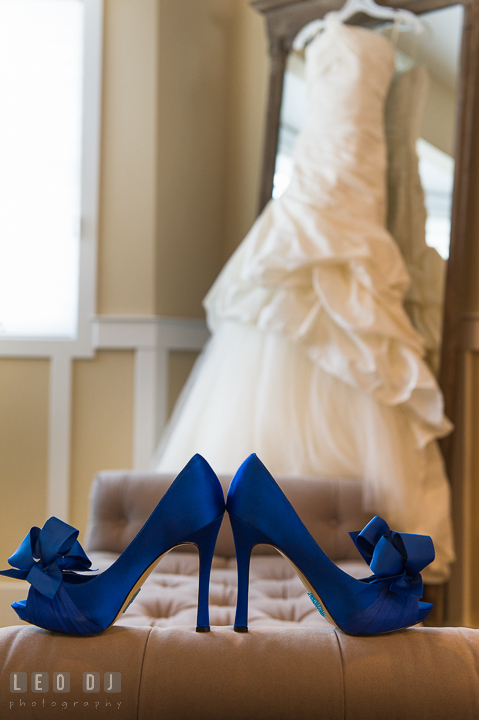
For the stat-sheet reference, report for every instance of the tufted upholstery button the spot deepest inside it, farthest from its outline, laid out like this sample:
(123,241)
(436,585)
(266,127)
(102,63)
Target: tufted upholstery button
(222,595)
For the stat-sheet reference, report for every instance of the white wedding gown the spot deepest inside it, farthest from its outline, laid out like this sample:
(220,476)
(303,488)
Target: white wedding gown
(313,363)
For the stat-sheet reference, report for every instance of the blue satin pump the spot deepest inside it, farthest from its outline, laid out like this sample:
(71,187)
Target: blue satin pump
(59,599)
(260,513)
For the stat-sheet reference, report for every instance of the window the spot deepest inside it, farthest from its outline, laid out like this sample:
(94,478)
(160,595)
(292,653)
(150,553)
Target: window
(41,80)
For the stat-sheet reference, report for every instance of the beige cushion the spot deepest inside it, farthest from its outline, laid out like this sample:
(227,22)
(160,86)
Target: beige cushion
(121,501)
(299,669)
(268,674)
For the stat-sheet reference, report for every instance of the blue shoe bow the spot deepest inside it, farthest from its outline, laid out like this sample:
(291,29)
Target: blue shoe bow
(45,554)
(399,557)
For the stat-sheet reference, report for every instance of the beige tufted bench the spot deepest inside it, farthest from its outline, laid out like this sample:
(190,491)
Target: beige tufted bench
(122,501)
(292,665)
(281,673)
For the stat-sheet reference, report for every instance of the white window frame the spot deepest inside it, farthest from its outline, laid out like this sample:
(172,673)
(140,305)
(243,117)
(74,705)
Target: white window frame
(151,338)
(61,351)
(90,172)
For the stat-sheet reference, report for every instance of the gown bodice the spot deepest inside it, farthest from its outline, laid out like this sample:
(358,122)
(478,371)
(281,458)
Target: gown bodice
(340,153)
(318,265)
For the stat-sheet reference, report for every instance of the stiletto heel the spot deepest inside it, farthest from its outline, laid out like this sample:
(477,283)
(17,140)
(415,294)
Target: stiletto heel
(245,539)
(205,540)
(59,599)
(388,600)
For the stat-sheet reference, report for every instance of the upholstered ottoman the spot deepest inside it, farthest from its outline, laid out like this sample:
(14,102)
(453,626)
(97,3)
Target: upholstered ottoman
(292,665)
(280,673)
(121,502)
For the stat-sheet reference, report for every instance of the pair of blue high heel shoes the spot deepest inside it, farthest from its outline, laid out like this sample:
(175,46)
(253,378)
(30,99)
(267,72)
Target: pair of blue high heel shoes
(191,511)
